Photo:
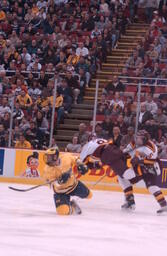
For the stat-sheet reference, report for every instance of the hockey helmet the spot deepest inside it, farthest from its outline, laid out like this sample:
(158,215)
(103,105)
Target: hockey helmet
(51,156)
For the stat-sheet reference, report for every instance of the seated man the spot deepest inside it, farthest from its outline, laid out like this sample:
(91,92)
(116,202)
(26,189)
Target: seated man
(24,100)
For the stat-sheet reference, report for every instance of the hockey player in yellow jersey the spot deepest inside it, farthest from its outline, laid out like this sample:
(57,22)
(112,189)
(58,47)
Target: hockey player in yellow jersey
(60,169)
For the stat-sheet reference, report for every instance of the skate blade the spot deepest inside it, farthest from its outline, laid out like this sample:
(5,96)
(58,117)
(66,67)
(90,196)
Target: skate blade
(77,209)
(162,213)
(129,209)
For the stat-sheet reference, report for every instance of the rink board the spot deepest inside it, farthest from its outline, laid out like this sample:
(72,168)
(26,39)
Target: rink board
(15,168)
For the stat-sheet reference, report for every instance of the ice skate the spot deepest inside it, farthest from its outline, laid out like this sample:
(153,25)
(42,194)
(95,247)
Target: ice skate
(162,210)
(129,203)
(76,207)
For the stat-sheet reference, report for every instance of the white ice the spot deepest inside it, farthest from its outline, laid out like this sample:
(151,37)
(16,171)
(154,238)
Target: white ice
(29,226)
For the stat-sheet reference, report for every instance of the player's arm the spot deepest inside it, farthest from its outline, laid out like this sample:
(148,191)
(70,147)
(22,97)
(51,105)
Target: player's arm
(81,167)
(93,163)
(143,160)
(65,176)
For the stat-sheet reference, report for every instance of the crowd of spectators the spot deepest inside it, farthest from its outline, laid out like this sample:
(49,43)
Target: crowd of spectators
(118,105)
(68,40)
(43,40)
(149,59)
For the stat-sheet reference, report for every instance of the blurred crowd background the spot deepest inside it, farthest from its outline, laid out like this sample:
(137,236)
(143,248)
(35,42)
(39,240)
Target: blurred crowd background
(69,40)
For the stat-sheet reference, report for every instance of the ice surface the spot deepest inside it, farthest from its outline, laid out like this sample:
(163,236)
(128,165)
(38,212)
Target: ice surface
(29,226)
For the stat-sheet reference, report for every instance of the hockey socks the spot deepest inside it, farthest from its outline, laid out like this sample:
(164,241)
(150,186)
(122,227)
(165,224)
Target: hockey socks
(129,199)
(162,202)
(160,198)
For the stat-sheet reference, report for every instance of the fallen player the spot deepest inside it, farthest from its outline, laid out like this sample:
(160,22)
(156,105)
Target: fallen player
(60,168)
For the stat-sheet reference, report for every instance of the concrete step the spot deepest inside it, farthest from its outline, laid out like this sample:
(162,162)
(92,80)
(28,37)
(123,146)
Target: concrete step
(126,44)
(73,122)
(139,25)
(79,116)
(121,52)
(91,89)
(83,111)
(65,132)
(118,51)
(114,68)
(90,98)
(130,37)
(88,101)
(111,57)
(135,33)
(85,106)
(63,138)
(131,47)
(91,93)
(128,40)
(105,74)
(113,65)
(116,61)
(69,126)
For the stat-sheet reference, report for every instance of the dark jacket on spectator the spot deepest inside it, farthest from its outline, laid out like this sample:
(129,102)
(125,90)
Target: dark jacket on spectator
(147,116)
(161,3)
(88,25)
(73,82)
(119,87)
(117,141)
(64,91)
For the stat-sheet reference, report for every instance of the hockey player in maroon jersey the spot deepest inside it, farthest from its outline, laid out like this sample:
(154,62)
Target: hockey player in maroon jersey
(142,165)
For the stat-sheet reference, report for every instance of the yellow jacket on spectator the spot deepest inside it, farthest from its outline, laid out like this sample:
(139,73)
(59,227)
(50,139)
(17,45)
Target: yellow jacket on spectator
(25,101)
(43,102)
(35,10)
(3,43)
(25,144)
(59,101)
(15,53)
(73,59)
(2,15)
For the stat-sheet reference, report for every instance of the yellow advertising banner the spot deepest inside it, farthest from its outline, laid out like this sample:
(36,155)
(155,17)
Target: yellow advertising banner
(29,163)
(29,168)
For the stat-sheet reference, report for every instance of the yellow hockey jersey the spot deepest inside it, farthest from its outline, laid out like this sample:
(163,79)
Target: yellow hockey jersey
(67,162)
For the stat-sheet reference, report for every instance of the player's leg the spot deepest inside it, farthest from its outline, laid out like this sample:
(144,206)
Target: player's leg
(128,192)
(150,181)
(62,203)
(81,191)
(64,206)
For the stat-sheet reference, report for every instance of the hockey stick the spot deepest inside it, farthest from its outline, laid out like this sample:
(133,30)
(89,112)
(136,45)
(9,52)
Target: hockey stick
(99,180)
(31,188)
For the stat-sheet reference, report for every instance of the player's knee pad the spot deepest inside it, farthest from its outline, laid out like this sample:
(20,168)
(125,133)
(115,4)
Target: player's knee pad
(153,189)
(129,174)
(124,183)
(63,209)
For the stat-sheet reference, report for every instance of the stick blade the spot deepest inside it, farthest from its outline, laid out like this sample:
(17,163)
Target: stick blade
(17,189)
